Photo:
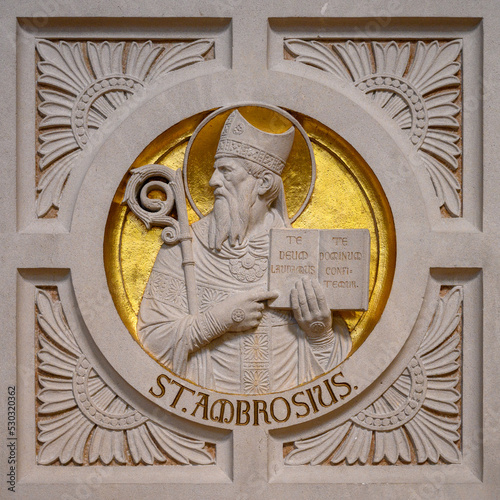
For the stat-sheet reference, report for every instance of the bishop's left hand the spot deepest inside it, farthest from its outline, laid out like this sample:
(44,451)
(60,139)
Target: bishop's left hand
(310,308)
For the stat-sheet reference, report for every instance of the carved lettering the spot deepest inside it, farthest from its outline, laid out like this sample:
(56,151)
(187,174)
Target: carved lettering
(300,403)
(339,284)
(311,399)
(220,418)
(339,240)
(287,408)
(338,258)
(325,394)
(335,271)
(294,239)
(293,255)
(179,393)
(202,403)
(260,407)
(342,384)
(242,412)
(285,269)
(333,398)
(160,385)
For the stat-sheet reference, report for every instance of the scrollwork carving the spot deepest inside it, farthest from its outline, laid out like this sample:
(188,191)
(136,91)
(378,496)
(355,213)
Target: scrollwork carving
(416,417)
(82,420)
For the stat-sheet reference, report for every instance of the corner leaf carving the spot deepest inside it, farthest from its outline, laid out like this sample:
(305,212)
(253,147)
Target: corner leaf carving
(419,92)
(82,419)
(81,86)
(418,415)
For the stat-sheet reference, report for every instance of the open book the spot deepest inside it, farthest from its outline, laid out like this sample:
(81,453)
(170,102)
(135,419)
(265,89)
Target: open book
(338,258)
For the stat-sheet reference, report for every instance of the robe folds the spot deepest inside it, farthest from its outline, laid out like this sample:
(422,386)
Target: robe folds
(275,356)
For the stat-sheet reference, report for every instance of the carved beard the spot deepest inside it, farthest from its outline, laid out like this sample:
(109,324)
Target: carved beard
(230,219)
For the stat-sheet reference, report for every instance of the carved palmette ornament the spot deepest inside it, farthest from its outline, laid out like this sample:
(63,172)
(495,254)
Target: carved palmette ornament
(82,420)
(417,416)
(81,85)
(419,91)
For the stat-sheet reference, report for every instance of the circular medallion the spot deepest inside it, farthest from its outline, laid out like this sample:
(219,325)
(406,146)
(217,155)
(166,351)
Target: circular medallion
(347,194)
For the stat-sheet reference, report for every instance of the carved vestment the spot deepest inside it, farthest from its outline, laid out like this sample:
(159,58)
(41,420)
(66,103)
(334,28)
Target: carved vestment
(275,356)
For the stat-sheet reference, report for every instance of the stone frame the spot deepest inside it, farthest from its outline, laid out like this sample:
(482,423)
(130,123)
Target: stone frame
(36,251)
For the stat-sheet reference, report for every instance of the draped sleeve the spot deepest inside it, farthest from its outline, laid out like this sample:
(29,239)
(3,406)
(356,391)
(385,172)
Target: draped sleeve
(165,328)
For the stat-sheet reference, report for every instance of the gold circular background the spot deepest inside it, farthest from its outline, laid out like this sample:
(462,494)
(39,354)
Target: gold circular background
(346,195)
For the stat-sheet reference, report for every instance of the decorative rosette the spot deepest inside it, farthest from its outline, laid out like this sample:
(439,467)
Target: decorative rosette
(248,269)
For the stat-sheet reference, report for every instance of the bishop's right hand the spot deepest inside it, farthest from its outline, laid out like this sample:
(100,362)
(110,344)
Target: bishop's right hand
(242,311)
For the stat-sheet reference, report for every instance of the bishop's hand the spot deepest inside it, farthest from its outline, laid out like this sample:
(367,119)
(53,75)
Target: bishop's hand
(241,311)
(311,309)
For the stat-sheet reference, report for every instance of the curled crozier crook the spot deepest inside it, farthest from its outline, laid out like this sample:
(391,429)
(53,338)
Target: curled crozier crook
(156,212)
(151,211)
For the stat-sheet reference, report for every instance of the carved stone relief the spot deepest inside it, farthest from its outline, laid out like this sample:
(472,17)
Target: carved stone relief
(80,85)
(81,420)
(255,274)
(245,342)
(417,419)
(418,84)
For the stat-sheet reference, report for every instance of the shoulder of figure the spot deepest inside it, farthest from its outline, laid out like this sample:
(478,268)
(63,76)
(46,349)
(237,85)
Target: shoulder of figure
(200,228)
(169,259)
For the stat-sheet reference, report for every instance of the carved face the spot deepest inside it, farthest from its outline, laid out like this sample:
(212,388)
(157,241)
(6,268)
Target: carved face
(235,193)
(230,178)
